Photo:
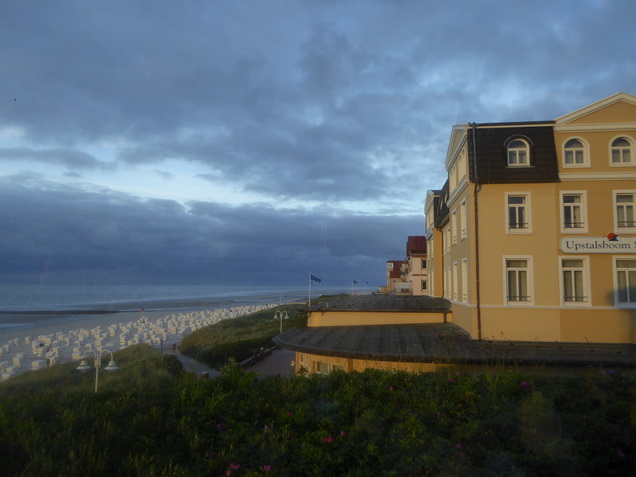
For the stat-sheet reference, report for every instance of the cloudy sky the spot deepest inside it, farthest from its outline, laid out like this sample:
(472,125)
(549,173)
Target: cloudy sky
(259,141)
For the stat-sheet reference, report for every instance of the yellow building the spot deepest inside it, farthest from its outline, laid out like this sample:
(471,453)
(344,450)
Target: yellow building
(531,257)
(533,236)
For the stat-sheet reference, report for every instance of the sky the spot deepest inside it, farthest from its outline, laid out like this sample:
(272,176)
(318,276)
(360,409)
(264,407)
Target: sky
(257,142)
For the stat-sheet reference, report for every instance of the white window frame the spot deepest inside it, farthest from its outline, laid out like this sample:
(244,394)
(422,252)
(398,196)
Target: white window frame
(630,156)
(529,280)
(515,151)
(464,280)
(463,220)
(448,286)
(585,152)
(454,226)
(617,303)
(528,212)
(583,208)
(625,229)
(447,239)
(585,275)
(455,281)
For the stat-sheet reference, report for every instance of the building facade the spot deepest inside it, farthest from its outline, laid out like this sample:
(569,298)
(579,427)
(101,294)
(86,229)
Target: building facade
(416,256)
(397,277)
(533,236)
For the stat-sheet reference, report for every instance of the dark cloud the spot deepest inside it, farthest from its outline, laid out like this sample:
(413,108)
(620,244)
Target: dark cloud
(65,232)
(339,108)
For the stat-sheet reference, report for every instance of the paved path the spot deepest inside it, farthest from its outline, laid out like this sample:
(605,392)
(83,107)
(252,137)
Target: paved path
(278,363)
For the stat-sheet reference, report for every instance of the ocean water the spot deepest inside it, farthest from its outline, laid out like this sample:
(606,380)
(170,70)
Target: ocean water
(22,306)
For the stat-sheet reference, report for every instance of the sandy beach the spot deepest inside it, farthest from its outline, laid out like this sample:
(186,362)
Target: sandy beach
(47,343)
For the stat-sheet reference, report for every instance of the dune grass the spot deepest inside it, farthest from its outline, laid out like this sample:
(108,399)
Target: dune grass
(239,338)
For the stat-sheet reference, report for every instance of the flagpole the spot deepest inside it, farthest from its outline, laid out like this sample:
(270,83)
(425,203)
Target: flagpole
(310,290)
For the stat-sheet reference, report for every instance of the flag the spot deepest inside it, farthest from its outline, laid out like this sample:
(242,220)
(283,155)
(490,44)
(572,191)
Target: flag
(315,279)
(355,282)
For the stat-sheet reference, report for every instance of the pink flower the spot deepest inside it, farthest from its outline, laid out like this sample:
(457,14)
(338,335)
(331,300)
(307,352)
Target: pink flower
(451,380)
(228,472)
(328,439)
(458,446)
(267,468)
(342,433)
(235,466)
(526,385)
(391,388)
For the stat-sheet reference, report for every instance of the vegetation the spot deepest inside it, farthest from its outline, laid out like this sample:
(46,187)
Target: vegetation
(239,338)
(150,418)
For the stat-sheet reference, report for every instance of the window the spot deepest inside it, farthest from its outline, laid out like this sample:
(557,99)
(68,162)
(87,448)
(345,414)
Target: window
(574,153)
(447,283)
(454,226)
(518,153)
(321,367)
(455,281)
(626,281)
(517,280)
(465,280)
(518,213)
(621,151)
(462,219)
(625,211)
(574,285)
(573,212)
(447,240)
(424,285)
(423,264)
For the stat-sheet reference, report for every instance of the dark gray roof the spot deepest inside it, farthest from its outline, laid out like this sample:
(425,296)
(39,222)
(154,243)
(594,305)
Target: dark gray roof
(447,343)
(492,160)
(394,303)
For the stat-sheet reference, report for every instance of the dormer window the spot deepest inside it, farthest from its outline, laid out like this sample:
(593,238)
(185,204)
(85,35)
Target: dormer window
(574,153)
(621,151)
(518,153)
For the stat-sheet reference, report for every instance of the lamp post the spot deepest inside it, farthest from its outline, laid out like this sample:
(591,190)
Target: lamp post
(280,316)
(84,366)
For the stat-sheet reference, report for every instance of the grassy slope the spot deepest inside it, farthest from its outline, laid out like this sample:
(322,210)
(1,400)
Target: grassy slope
(240,337)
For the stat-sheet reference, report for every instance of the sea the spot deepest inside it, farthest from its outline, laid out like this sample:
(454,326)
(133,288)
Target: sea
(30,305)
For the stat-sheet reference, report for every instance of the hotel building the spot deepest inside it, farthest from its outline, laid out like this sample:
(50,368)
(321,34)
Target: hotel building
(533,235)
(531,257)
